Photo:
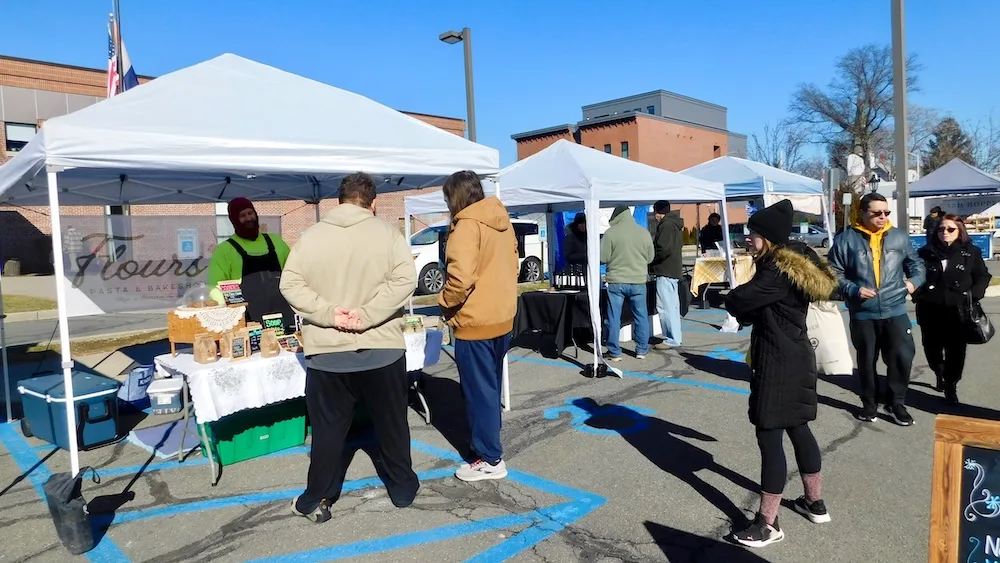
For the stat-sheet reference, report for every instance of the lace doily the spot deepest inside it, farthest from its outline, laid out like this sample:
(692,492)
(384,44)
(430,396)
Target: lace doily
(215,319)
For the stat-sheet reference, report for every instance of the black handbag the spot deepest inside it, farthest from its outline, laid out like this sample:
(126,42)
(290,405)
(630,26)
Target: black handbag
(684,294)
(978,328)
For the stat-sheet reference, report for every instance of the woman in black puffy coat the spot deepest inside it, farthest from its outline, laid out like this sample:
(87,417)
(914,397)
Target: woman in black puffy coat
(789,275)
(955,272)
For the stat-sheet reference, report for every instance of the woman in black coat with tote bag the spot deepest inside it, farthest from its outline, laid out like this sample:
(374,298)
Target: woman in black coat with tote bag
(789,275)
(955,273)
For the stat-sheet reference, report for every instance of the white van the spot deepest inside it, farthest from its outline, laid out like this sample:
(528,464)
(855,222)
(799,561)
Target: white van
(429,258)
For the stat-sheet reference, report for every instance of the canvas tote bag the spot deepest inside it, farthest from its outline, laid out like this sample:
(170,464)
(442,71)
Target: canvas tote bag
(828,336)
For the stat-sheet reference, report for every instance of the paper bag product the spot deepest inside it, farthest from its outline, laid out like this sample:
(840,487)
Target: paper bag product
(226,345)
(828,336)
(205,351)
(269,346)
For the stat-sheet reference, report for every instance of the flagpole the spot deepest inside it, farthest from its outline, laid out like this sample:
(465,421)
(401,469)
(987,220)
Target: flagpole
(118,49)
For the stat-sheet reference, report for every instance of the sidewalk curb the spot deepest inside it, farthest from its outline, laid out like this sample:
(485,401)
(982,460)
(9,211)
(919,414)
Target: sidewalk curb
(31,316)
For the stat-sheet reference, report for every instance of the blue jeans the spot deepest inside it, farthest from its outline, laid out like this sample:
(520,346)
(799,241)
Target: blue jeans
(480,372)
(668,307)
(635,293)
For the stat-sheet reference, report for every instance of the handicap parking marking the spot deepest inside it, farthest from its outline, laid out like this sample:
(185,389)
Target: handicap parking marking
(36,472)
(580,416)
(541,523)
(727,354)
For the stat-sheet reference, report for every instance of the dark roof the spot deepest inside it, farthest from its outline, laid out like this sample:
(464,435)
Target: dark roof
(61,65)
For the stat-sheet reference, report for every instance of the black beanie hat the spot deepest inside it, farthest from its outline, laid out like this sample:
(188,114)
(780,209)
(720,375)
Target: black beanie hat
(774,223)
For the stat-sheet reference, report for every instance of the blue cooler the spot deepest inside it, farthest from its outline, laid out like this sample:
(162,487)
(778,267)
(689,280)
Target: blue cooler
(96,398)
(432,348)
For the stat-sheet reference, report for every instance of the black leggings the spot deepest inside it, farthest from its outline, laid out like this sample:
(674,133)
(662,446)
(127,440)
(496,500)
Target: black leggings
(773,470)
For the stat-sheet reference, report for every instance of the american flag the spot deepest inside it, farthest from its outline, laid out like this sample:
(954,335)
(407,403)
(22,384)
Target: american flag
(114,77)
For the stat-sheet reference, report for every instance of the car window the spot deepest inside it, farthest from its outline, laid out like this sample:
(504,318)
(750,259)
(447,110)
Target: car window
(426,236)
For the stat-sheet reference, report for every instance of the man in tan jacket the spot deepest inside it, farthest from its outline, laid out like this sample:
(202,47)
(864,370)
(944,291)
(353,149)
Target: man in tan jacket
(349,277)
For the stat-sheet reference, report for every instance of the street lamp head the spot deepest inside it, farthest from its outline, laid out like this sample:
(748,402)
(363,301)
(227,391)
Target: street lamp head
(451,37)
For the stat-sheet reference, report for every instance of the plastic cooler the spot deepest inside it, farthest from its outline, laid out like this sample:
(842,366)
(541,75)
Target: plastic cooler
(95,396)
(257,432)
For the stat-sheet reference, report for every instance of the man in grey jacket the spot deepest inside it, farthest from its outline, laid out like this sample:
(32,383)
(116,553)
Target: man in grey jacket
(877,268)
(627,249)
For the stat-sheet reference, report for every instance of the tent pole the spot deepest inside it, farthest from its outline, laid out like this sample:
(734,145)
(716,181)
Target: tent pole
(407,234)
(592,209)
(505,379)
(727,240)
(3,353)
(67,361)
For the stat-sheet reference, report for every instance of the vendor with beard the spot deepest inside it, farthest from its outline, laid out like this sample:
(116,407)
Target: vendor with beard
(254,258)
(575,243)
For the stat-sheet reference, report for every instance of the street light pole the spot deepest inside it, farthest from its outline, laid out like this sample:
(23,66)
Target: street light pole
(465,36)
(901,125)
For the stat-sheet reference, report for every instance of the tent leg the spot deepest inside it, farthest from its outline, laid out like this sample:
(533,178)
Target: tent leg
(67,360)
(6,367)
(728,241)
(407,234)
(505,382)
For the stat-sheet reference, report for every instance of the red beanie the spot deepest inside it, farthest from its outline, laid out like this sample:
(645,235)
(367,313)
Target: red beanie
(237,206)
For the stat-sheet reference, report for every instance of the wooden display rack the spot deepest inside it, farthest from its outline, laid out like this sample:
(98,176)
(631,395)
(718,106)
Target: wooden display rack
(183,331)
(965,520)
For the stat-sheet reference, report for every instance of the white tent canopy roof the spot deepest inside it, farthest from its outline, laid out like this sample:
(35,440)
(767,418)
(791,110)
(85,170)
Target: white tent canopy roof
(565,174)
(956,177)
(232,127)
(746,178)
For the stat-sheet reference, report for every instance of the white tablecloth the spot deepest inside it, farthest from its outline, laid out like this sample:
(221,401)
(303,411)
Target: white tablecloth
(227,387)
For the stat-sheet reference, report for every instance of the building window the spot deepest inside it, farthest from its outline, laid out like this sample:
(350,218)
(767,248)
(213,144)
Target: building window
(624,149)
(716,151)
(651,110)
(223,226)
(18,135)
(607,149)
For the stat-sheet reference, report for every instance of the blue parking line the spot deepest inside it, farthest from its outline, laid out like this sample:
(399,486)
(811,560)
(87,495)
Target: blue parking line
(27,458)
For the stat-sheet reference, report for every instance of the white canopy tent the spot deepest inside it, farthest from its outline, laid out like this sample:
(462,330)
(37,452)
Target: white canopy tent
(224,128)
(956,177)
(566,174)
(748,179)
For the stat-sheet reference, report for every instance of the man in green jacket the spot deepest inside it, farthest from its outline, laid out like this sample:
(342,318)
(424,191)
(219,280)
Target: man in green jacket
(668,269)
(627,249)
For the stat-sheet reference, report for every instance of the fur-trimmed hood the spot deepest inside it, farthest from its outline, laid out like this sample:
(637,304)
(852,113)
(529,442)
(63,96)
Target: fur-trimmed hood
(812,276)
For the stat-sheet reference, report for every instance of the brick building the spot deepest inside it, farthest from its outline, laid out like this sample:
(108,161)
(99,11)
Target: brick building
(658,128)
(33,91)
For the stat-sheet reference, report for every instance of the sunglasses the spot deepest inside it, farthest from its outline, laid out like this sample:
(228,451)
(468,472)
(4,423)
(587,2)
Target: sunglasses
(879,213)
(948,230)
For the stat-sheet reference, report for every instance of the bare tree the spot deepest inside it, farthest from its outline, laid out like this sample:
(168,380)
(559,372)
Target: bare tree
(921,123)
(985,136)
(779,145)
(856,106)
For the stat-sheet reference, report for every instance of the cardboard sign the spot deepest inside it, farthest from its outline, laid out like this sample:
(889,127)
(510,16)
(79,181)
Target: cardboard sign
(239,346)
(965,513)
(231,292)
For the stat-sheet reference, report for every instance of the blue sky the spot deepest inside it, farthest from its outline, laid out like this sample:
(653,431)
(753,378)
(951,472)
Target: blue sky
(536,61)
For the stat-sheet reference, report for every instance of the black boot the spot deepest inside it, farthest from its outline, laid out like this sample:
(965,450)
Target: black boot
(939,385)
(951,392)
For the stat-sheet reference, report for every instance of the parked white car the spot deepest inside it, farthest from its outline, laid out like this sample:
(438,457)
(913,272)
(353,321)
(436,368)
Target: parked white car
(428,256)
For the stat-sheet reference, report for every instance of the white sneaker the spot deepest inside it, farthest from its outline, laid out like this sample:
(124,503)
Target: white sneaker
(640,356)
(479,470)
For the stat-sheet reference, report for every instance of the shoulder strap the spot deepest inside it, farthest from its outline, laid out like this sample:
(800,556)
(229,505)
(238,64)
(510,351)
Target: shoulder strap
(239,249)
(270,245)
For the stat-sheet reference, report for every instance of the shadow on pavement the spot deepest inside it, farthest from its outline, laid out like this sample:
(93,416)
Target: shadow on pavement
(684,547)
(660,442)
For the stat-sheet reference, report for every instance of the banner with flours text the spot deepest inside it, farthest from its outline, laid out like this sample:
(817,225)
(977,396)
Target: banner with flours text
(122,263)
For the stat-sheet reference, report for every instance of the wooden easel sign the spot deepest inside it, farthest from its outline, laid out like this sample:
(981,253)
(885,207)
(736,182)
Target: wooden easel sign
(965,493)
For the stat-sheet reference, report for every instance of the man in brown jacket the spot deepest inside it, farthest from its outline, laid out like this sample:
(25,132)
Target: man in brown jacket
(349,277)
(479,301)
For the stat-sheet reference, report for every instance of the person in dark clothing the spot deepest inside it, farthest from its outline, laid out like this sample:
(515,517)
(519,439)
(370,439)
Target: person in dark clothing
(575,242)
(668,242)
(711,233)
(876,269)
(955,271)
(931,223)
(789,275)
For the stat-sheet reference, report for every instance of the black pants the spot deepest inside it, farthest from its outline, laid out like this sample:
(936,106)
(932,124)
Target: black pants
(894,339)
(330,398)
(943,339)
(773,469)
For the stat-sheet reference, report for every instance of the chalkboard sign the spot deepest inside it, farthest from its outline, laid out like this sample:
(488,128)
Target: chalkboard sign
(254,330)
(232,292)
(965,498)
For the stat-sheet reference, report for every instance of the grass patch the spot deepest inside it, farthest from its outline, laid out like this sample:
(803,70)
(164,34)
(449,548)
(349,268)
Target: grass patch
(26,304)
(431,300)
(995,280)
(85,346)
